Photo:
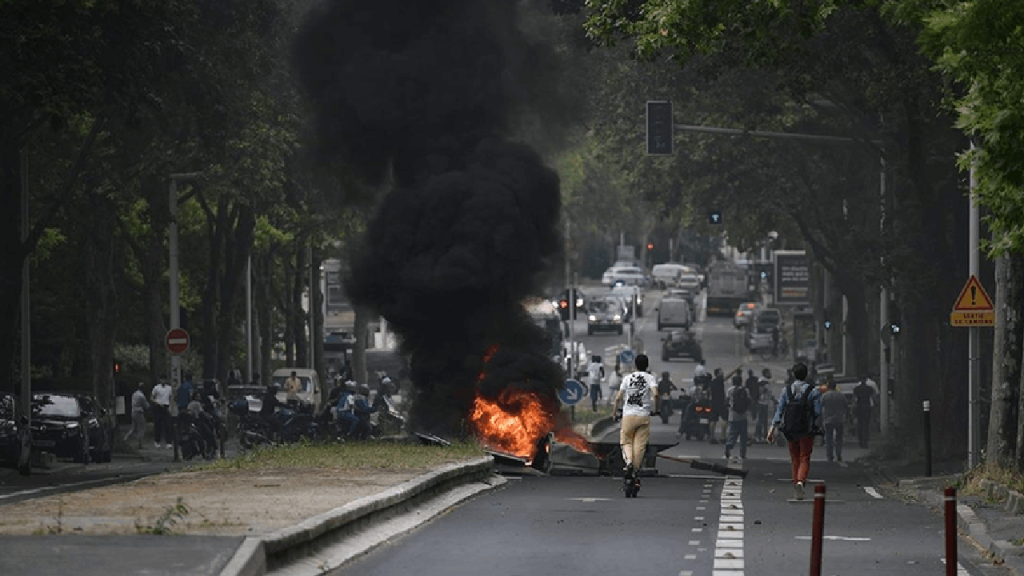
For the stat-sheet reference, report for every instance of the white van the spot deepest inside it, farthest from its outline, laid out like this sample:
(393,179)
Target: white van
(674,313)
(309,385)
(667,275)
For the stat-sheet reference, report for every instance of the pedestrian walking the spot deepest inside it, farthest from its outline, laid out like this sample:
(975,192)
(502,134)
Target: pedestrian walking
(753,391)
(798,410)
(719,408)
(595,375)
(139,406)
(613,382)
(637,399)
(764,404)
(833,415)
(739,405)
(864,396)
(161,398)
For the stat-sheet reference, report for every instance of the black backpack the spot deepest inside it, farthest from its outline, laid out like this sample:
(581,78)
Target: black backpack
(797,416)
(740,400)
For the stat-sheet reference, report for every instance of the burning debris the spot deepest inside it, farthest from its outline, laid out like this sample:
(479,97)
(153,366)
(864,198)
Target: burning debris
(418,95)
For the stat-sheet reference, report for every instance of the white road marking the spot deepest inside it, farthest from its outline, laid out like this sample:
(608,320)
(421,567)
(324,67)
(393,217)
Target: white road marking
(839,538)
(729,540)
(591,499)
(872,492)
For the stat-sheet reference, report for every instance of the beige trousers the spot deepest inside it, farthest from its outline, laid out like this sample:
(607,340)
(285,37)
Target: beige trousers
(633,436)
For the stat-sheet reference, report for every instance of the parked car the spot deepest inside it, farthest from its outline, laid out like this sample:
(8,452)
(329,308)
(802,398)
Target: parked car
(743,314)
(605,313)
(15,436)
(59,426)
(626,274)
(681,344)
(339,341)
(102,428)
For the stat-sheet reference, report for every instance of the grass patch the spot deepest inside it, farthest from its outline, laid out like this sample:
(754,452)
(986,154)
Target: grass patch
(970,482)
(368,455)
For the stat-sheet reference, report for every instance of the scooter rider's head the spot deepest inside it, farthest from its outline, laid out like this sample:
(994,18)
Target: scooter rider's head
(641,362)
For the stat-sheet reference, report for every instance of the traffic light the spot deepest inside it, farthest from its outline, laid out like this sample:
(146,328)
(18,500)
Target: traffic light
(715,217)
(650,246)
(659,128)
(117,367)
(828,322)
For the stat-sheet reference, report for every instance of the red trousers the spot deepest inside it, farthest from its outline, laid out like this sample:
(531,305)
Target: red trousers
(800,457)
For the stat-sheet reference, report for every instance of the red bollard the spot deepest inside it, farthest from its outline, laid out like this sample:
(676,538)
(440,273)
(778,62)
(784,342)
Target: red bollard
(817,529)
(949,495)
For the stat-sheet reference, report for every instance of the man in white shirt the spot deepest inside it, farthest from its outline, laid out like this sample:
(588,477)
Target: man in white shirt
(161,397)
(636,396)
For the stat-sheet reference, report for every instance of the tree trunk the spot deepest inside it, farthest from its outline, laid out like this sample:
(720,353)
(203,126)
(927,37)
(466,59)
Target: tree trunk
(101,297)
(361,325)
(1003,443)
(298,316)
(264,310)
(12,257)
(317,323)
(216,225)
(237,246)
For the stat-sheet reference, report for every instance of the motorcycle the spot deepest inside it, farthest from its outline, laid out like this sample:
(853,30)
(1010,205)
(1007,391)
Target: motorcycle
(197,437)
(696,420)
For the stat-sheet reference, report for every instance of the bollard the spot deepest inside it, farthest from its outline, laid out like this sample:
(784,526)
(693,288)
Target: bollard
(927,438)
(949,495)
(817,529)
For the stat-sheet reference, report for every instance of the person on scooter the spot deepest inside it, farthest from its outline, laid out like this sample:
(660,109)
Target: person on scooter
(344,412)
(362,409)
(665,388)
(638,398)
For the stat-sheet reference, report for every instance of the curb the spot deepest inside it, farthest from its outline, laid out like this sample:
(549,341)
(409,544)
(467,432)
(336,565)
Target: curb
(280,550)
(1002,551)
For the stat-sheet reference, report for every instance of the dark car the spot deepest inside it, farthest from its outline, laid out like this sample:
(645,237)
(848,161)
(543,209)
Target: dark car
(15,436)
(59,426)
(680,344)
(102,429)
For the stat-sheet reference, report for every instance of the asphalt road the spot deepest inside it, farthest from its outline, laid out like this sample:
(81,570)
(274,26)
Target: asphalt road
(684,522)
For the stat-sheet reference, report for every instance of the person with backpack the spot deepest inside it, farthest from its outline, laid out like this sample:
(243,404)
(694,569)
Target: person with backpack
(798,410)
(739,404)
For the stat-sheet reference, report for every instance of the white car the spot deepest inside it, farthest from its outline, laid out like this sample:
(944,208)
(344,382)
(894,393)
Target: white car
(667,275)
(626,274)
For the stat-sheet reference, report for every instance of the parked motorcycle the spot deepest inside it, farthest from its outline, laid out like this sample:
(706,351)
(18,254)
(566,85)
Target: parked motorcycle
(197,436)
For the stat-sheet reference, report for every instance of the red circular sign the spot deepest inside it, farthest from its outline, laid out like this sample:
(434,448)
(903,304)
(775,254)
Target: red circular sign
(177,341)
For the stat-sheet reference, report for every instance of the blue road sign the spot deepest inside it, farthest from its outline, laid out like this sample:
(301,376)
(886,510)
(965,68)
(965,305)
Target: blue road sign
(572,393)
(626,357)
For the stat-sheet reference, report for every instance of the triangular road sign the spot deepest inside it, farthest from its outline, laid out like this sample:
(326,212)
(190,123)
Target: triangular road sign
(973,297)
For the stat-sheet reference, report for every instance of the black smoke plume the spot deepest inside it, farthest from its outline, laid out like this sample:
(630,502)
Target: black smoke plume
(418,94)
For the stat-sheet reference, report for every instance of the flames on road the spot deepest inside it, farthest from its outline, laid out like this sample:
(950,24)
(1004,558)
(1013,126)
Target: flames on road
(516,420)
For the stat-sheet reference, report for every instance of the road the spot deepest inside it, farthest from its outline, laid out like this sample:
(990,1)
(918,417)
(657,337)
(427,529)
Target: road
(685,522)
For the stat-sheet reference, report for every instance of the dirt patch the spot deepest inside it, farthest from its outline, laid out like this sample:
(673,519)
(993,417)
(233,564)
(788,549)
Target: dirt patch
(228,503)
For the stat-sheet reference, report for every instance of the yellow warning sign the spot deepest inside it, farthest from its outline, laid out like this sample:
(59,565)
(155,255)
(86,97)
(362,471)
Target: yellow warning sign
(973,297)
(973,307)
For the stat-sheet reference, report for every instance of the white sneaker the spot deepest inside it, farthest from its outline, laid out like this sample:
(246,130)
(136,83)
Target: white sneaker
(798,490)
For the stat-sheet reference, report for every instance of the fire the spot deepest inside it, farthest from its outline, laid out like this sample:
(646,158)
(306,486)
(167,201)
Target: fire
(516,420)
(513,422)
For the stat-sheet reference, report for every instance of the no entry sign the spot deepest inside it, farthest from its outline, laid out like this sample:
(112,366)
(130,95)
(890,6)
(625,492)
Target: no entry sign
(177,341)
